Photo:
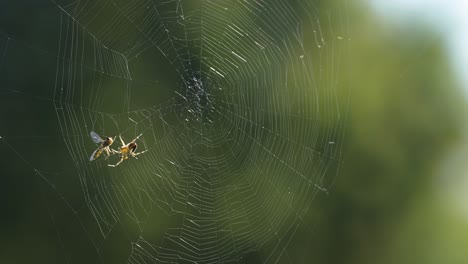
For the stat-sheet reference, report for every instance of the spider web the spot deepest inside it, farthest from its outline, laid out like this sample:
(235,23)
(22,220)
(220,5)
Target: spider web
(239,105)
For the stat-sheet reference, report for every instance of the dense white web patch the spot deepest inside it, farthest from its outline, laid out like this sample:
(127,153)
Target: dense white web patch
(239,104)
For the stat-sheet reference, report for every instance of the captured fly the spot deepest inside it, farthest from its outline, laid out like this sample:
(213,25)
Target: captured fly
(105,145)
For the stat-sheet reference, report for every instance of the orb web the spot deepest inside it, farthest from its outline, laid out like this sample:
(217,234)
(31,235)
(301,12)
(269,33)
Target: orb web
(240,107)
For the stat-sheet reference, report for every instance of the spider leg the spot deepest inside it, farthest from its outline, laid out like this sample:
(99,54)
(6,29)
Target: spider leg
(117,164)
(137,137)
(115,151)
(141,152)
(108,152)
(121,140)
(138,153)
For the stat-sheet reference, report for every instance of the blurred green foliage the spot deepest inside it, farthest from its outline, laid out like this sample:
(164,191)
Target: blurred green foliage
(406,112)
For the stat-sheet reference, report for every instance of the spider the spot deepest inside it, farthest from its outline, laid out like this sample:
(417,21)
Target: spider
(127,149)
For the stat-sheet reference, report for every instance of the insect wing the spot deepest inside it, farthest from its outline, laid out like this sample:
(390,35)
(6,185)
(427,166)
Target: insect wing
(96,138)
(95,154)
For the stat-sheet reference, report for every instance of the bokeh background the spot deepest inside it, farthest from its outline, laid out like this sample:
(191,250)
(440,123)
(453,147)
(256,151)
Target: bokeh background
(400,192)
